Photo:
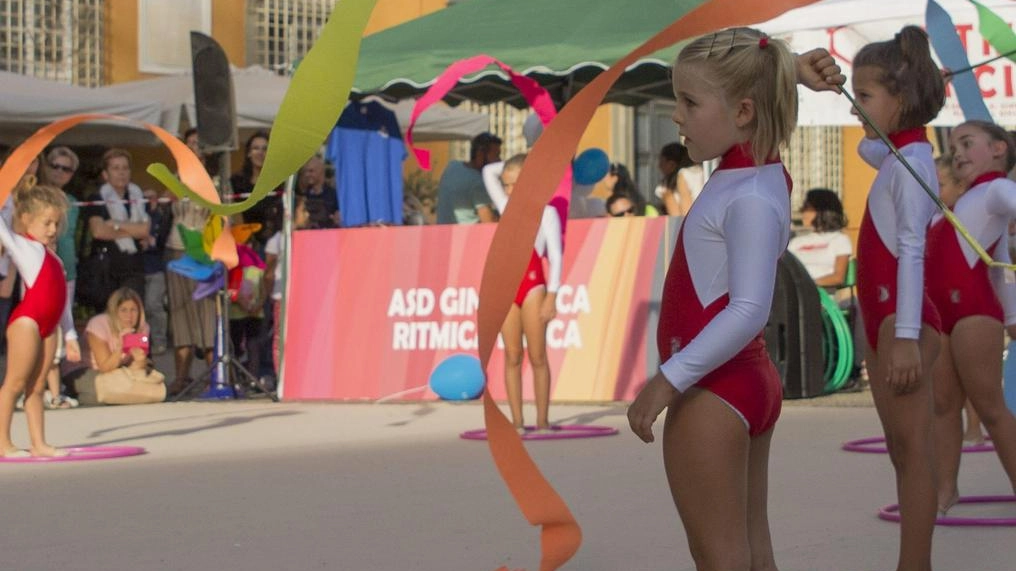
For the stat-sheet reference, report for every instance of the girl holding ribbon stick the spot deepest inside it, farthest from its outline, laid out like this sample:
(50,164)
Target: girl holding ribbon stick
(32,328)
(975,300)
(737,101)
(900,89)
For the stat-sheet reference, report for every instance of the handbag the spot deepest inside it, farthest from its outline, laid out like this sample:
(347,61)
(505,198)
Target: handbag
(96,281)
(122,386)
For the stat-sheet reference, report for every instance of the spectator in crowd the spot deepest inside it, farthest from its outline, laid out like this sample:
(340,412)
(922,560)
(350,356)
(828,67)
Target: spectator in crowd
(105,334)
(682,179)
(57,171)
(413,211)
(619,205)
(619,182)
(272,280)
(268,210)
(119,227)
(826,251)
(312,184)
(191,321)
(161,215)
(461,195)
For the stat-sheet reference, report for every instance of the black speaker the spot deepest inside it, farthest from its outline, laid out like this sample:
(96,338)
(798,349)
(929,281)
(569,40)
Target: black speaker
(794,332)
(213,95)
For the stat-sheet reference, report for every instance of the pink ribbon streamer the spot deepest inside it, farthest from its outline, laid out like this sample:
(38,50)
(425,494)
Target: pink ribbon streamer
(537,97)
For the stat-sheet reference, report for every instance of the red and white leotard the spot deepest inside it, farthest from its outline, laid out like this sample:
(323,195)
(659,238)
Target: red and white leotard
(890,245)
(43,280)
(548,239)
(719,288)
(959,283)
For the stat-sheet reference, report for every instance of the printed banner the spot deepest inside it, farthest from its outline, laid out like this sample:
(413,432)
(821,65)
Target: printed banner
(373,311)
(994,79)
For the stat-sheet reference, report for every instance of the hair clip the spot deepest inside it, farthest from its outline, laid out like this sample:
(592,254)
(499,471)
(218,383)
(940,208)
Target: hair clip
(763,42)
(711,44)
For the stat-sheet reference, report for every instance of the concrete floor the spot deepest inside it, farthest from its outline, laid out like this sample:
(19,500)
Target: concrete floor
(255,485)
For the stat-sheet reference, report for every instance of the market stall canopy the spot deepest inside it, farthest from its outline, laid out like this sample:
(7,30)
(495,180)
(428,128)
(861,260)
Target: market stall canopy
(259,93)
(563,44)
(28,103)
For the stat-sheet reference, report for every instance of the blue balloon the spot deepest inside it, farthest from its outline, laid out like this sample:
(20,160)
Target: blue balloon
(590,166)
(458,377)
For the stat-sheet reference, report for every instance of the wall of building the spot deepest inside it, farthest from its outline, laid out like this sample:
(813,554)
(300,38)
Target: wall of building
(857,178)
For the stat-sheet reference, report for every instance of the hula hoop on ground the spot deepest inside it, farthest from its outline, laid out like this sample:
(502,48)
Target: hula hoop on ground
(556,432)
(876,445)
(80,453)
(892,513)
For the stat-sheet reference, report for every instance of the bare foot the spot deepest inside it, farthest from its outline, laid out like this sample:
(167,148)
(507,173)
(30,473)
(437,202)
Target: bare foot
(944,507)
(47,451)
(974,437)
(14,452)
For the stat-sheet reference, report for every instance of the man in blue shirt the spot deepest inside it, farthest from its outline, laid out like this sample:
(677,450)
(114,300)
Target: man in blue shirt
(461,196)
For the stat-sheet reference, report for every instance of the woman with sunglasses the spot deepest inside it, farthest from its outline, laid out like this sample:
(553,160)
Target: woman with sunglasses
(58,168)
(620,205)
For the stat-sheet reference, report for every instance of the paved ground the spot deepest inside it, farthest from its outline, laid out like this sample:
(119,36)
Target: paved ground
(255,485)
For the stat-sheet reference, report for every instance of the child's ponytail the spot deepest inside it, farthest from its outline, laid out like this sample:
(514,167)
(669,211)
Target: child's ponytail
(909,72)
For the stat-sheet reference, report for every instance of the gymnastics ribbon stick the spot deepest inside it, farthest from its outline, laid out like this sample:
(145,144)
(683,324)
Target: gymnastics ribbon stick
(946,212)
(189,165)
(950,72)
(316,96)
(512,247)
(534,94)
(949,47)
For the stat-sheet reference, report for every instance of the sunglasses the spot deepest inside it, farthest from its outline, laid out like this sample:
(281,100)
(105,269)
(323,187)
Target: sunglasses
(66,169)
(623,212)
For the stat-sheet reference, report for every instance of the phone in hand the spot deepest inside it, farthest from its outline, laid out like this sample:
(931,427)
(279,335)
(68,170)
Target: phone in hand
(139,340)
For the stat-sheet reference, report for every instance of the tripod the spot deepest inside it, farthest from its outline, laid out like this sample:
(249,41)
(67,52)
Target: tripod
(229,379)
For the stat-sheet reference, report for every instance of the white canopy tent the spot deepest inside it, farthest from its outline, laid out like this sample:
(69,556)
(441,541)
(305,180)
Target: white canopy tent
(844,26)
(259,92)
(28,103)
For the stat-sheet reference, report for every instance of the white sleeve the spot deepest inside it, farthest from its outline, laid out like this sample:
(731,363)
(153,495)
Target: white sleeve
(551,228)
(914,210)
(67,322)
(492,181)
(26,254)
(754,237)
(1000,198)
(1004,282)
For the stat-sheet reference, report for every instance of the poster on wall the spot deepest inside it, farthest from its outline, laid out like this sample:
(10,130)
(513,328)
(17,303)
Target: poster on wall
(373,311)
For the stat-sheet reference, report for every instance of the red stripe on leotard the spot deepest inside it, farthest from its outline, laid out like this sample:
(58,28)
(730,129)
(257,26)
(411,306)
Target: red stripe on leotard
(533,278)
(956,289)
(986,177)
(749,381)
(876,283)
(43,301)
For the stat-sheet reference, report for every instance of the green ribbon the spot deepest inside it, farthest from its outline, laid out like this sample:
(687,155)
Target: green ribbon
(312,105)
(994,29)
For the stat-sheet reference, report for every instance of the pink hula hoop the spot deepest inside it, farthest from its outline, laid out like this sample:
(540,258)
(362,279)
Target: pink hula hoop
(876,445)
(892,513)
(557,432)
(80,453)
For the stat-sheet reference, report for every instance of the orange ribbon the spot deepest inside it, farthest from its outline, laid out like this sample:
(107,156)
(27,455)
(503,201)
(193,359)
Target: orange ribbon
(192,172)
(511,248)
